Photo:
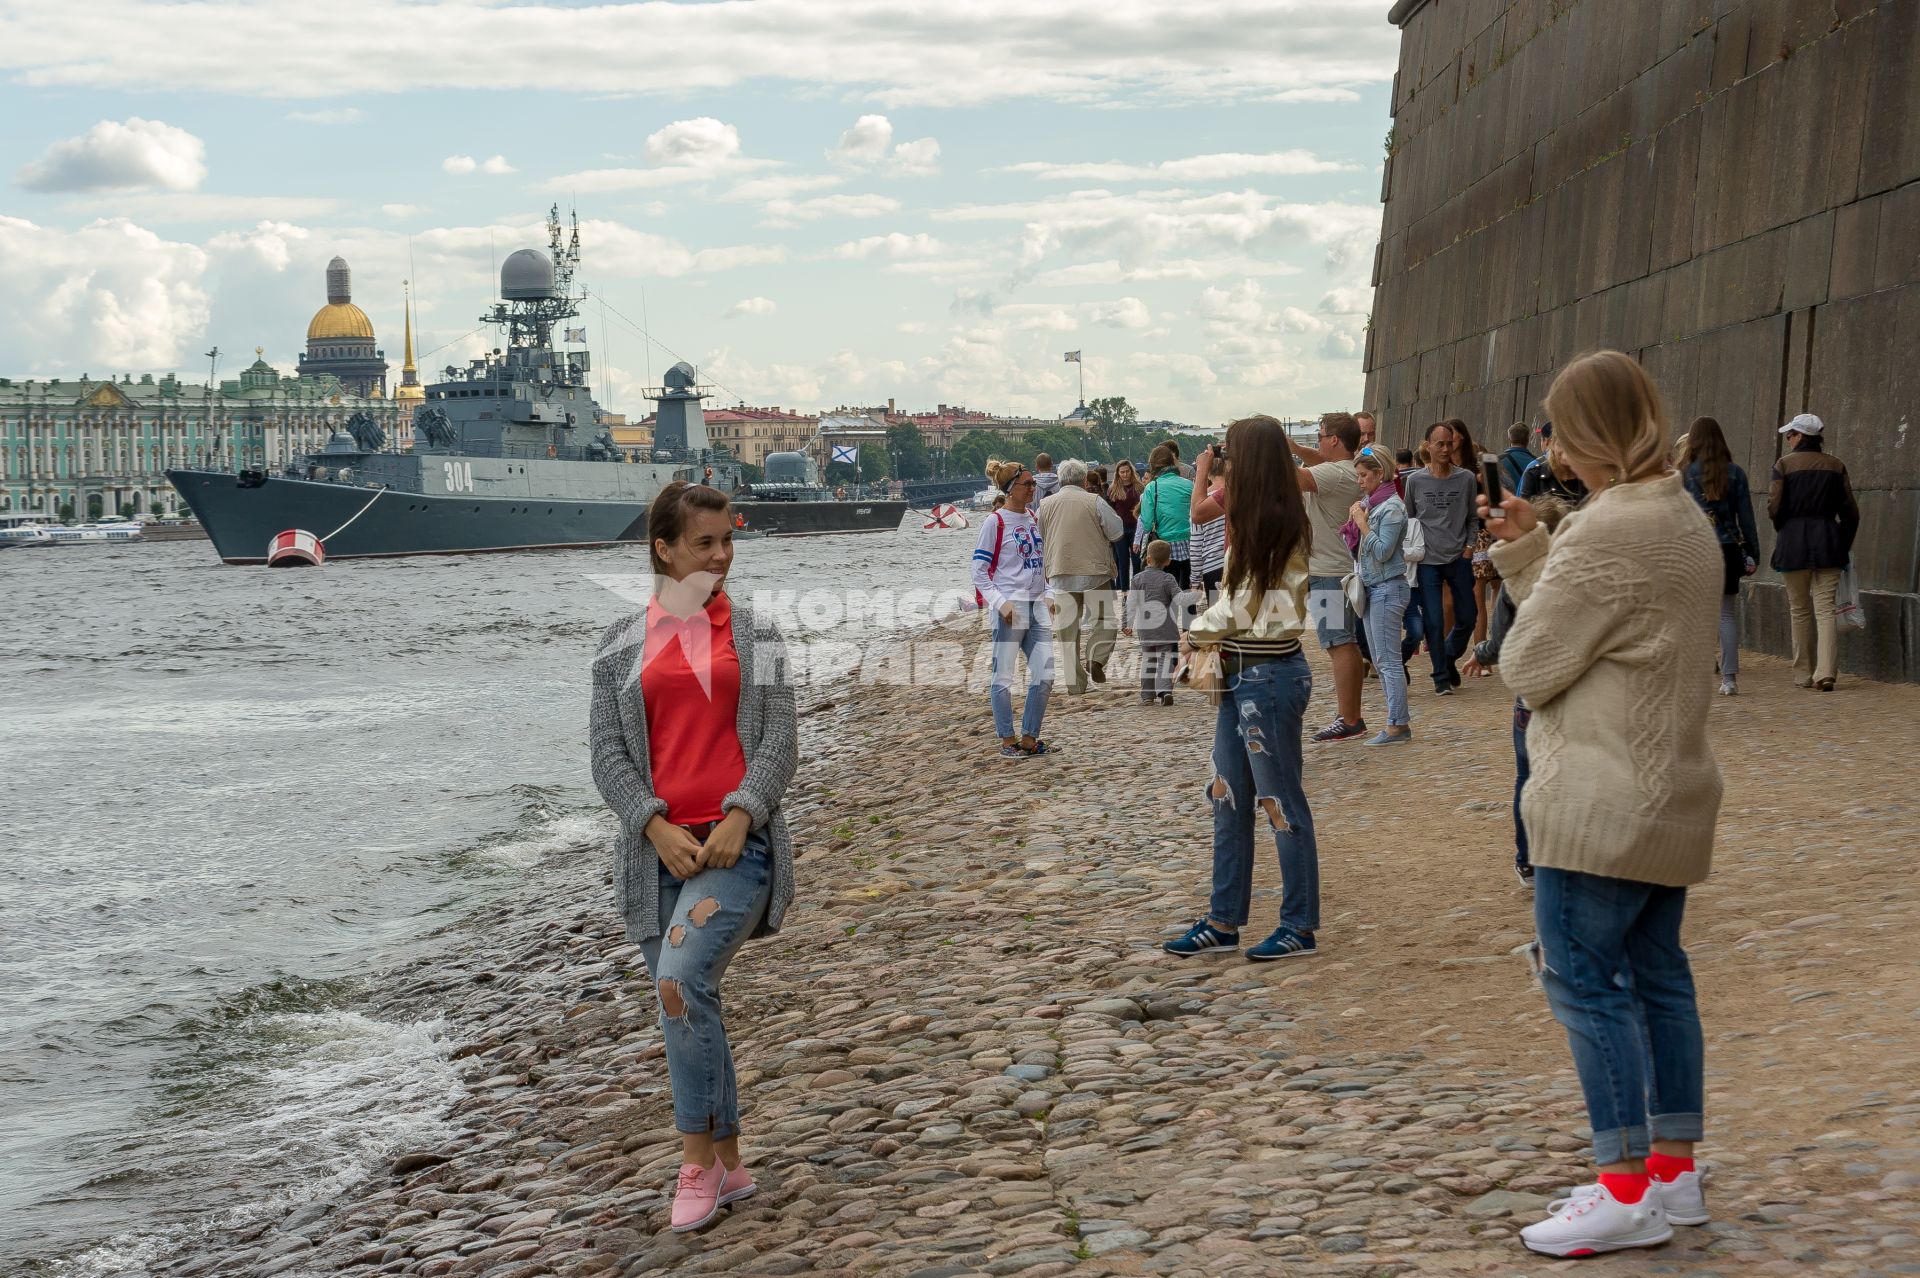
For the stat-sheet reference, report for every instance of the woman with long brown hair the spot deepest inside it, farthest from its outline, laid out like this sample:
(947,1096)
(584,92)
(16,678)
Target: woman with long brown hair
(1256,624)
(1123,494)
(1615,613)
(694,739)
(1720,486)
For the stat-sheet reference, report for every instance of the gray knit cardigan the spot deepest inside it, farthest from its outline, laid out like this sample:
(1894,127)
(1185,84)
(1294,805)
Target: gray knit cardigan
(622,768)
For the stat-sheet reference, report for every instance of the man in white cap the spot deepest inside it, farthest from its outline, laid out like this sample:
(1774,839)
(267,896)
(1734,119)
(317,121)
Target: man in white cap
(1814,519)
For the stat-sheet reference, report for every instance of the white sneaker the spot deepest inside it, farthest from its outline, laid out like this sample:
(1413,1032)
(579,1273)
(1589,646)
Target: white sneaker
(1727,688)
(1683,1198)
(1591,1221)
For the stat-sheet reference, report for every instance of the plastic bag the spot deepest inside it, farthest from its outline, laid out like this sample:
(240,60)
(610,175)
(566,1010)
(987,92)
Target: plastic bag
(1847,612)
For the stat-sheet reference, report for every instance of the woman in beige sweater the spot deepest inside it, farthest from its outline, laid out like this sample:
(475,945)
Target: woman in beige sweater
(1617,616)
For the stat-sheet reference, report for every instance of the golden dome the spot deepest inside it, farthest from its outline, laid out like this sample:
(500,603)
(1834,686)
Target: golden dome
(338,320)
(404,391)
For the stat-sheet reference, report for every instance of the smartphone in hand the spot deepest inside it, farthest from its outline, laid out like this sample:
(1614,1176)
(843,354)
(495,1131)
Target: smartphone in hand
(1490,477)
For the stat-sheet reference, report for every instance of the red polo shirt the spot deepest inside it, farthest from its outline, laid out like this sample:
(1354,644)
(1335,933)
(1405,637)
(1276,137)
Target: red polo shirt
(690,682)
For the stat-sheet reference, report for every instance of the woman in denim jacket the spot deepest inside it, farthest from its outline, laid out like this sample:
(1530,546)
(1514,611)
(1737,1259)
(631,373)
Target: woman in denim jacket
(1382,522)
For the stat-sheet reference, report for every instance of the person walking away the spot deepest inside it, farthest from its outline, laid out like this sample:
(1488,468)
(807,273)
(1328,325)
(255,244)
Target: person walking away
(693,738)
(1815,519)
(1514,462)
(1331,487)
(1257,624)
(1486,656)
(1380,517)
(1164,507)
(1154,610)
(1046,481)
(1207,518)
(1613,612)
(1719,485)
(1124,496)
(1009,574)
(1077,529)
(1441,497)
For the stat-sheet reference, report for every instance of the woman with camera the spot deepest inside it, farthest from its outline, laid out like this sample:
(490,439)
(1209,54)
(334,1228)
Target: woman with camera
(1256,625)
(1616,615)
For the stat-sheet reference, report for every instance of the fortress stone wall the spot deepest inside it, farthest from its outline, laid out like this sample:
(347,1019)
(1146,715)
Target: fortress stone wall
(1725,188)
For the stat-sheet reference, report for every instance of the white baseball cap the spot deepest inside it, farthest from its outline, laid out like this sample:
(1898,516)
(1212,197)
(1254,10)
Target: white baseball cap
(1805,424)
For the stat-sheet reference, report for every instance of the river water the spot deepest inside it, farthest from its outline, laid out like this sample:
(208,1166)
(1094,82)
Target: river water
(235,795)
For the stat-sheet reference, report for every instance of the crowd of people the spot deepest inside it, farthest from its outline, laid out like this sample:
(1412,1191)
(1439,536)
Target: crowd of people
(1598,577)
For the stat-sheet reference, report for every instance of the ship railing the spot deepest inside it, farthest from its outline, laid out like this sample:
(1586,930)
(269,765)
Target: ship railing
(572,452)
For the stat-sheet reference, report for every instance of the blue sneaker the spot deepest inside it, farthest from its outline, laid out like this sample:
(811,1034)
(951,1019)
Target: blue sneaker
(1203,938)
(1284,943)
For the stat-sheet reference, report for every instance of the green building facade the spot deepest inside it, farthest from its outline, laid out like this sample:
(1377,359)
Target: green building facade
(102,447)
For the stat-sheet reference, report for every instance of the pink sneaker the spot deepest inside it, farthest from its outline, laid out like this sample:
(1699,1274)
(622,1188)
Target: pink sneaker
(696,1197)
(738,1184)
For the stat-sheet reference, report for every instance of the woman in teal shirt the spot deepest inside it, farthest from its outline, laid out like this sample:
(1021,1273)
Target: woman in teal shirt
(1163,511)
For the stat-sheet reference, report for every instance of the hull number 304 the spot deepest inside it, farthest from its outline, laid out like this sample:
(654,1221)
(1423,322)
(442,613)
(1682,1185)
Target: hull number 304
(459,476)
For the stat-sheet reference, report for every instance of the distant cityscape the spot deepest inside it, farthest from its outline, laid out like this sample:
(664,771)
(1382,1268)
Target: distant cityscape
(91,447)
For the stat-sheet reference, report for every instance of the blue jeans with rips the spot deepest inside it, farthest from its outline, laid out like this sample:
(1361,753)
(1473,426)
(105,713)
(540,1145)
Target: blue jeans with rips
(1029,634)
(1256,752)
(704,921)
(1618,980)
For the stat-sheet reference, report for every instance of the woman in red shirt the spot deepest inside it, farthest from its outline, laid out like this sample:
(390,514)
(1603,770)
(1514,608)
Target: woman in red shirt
(694,741)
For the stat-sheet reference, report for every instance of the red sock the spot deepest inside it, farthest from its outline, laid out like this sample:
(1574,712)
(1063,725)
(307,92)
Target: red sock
(1666,1169)
(1625,1187)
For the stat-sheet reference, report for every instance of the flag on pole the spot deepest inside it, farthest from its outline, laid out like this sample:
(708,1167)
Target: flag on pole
(847,453)
(576,335)
(1073,357)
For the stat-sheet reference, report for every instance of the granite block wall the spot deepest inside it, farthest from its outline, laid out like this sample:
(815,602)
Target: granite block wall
(1728,189)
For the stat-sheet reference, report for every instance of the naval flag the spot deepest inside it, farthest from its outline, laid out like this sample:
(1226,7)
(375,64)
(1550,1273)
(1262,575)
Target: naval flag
(847,453)
(576,335)
(1073,357)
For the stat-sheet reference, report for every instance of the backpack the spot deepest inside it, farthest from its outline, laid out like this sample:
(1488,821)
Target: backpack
(1413,545)
(999,530)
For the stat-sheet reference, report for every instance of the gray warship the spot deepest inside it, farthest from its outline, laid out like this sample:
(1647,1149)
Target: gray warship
(509,453)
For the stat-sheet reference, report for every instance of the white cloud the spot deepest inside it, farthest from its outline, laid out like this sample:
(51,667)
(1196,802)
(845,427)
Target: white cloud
(1321,93)
(893,245)
(787,212)
(894,52)
(869,145)
(109,296)
(1110,271)
(339,115)
(120,156)
(270,244)
(699,141)
(1126,312)
(919,158)
(751,306)
(697,150)
(174,209)
(864,144)
(780,186)
(1194,168)
(1037,317)
(461,165)
(911,326)
(402,210)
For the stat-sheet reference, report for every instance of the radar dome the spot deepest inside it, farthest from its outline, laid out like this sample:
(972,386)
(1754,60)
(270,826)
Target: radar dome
(681,376)
(526,276)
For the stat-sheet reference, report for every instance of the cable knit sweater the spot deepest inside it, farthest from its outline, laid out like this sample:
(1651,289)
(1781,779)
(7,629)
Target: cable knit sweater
(1617,622)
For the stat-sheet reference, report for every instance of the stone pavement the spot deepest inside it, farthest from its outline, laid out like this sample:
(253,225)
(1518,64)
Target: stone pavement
(966,1054)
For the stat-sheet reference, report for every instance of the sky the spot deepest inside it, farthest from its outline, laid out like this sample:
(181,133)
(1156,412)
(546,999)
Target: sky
(816,202)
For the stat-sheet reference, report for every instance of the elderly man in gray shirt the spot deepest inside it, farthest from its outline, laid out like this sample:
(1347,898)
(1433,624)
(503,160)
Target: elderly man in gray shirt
(1077,532)
(1441,498)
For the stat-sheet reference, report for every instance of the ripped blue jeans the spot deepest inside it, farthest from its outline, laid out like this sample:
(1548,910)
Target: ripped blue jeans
(1256,752)
(703,923)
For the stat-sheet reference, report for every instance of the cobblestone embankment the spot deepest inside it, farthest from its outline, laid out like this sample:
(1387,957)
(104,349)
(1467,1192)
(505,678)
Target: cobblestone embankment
(965,1054)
